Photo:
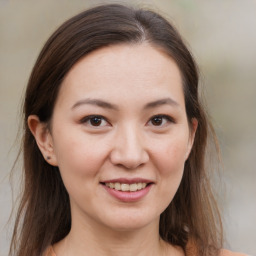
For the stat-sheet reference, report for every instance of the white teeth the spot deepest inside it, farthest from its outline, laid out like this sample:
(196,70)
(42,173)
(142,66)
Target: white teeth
(126,187)
(117,186)
(133,187)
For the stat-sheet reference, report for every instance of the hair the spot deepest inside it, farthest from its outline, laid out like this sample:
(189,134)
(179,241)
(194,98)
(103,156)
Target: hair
(44,216)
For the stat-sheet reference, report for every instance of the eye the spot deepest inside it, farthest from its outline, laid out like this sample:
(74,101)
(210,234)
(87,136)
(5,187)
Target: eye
(160,120)
(94,120)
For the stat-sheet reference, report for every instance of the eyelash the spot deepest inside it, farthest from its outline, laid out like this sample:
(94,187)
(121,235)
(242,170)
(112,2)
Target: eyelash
(89,119)
(168,119)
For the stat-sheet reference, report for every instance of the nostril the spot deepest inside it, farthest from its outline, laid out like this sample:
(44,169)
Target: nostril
(128,161)
(129,166)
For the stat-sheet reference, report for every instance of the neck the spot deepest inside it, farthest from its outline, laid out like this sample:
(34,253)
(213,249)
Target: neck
(93,239)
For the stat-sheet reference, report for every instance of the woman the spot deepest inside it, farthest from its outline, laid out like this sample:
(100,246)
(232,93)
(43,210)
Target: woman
(114,143)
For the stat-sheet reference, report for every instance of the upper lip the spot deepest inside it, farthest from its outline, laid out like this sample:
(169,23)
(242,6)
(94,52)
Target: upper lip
(128,180)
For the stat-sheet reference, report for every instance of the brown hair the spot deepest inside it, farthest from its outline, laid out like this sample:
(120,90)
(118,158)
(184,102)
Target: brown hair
(44,213)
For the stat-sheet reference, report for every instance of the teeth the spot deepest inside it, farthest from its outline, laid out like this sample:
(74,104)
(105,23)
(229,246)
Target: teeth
(133,187)
(126,187)
(117,186)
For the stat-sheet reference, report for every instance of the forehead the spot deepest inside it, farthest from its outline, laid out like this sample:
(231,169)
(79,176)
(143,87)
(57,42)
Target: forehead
(120,69)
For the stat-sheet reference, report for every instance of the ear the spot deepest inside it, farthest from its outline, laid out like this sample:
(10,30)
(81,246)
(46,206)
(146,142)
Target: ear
(193,128)
(43,139)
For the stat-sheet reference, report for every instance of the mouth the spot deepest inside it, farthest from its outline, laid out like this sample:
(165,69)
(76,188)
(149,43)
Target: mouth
(128,190)
(126,187)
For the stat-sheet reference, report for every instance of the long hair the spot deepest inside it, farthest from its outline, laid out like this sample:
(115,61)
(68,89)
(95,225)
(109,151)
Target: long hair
(44,216)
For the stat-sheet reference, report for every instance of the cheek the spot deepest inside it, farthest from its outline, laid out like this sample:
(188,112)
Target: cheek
(169,163)
(78,156)
(170,157)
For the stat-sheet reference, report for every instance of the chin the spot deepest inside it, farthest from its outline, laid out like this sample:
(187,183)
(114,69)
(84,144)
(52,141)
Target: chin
(130,222)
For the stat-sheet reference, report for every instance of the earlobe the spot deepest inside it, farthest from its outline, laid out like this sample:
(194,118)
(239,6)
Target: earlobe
(193,128)
(43,139)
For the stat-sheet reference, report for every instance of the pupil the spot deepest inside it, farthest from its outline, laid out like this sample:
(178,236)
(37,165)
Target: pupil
(96,121)
(157,120)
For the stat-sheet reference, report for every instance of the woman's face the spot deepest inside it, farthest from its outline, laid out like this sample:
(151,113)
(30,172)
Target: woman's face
(120,136)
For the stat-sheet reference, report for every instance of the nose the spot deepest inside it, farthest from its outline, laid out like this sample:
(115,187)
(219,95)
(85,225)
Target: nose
(129,149)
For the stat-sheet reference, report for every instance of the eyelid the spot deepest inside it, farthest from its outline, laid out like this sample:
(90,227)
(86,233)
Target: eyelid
(164,116)
(86,119)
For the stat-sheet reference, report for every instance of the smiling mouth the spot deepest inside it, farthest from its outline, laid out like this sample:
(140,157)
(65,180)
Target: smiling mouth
(126,187)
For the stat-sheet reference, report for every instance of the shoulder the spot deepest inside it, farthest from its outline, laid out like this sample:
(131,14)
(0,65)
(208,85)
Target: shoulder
(229,253)
(49,252)
(191,250)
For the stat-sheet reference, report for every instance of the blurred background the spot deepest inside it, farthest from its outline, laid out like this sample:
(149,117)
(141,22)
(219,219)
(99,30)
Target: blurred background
(222,36)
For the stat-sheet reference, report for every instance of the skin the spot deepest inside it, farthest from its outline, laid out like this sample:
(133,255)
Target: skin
(140,82)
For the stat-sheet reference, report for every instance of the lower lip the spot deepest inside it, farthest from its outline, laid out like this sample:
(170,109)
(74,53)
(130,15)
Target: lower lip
(128,196)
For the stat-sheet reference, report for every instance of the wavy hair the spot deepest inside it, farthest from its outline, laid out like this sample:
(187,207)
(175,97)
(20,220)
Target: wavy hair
(44,216)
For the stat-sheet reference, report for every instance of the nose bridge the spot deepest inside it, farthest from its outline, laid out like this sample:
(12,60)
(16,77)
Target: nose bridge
(129,148)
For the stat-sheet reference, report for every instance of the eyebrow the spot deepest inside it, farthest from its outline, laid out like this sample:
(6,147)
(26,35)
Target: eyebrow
(104,104)
(165,101)
(96,102)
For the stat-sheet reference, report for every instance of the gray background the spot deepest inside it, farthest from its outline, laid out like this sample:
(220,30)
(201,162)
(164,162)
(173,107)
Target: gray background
(222,36)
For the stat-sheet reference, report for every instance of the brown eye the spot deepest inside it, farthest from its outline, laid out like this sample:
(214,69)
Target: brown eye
(94,121)
(158,120)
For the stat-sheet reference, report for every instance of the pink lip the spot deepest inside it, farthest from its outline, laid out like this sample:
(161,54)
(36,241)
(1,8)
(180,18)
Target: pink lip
(128,196)
(128,181)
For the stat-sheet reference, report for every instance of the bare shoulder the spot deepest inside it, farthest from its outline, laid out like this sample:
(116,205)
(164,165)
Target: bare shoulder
(229,253)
